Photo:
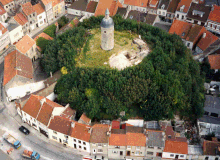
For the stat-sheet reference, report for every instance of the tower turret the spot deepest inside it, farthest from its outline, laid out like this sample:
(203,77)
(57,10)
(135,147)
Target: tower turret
(107,32)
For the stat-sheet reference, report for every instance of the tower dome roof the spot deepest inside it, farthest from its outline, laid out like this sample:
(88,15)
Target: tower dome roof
(107,23)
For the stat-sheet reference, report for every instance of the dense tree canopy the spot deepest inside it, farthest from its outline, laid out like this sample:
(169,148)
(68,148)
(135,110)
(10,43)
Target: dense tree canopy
(167,82)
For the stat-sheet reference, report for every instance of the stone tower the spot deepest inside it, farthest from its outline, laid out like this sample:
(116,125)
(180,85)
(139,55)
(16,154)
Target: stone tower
(107,32)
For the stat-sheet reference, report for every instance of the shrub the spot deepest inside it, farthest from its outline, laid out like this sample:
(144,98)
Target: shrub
(42,43)
(51,30)
(63,21)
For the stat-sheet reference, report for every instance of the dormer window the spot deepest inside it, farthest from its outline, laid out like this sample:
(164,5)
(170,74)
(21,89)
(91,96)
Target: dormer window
(163,6)
(199,13)
(182,8)
(169,136)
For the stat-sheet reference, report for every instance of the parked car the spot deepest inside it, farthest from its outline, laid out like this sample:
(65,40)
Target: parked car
(24,130)
(87,158)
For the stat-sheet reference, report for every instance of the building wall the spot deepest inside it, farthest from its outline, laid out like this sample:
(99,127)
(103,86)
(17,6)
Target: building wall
(180,15)
(9,7)
(79,13)
(96,147)
(58,137)
(79,144)
(115,153)
(107,38)
(3,17)
(29,120)
(16,34)
(41,19)
(61,8)
(17,81)
(152,151)
(173,155)
(213,26)
(135,151)
(162,12)
(4,40)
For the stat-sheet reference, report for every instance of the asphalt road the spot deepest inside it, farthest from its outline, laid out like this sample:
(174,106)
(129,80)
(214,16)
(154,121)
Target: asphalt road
(10,122)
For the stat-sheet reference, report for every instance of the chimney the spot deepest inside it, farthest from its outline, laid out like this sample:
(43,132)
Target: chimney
(108,133)
(73,124)
(42,101)
(204,35)
(51,75)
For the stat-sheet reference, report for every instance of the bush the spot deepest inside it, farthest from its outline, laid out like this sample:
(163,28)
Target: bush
(63,21)
(42,43)
(51,30)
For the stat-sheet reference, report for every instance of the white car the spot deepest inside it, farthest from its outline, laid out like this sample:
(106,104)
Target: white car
(87,158)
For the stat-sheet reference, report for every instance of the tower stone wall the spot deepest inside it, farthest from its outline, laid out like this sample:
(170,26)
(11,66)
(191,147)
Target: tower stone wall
(107,32)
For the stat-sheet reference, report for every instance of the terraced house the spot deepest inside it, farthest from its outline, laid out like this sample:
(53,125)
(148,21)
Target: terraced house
(41,15)
(8,5)
(4,37)
(213,22)
(3,14)
(47,5)
(58,8)
(22,20)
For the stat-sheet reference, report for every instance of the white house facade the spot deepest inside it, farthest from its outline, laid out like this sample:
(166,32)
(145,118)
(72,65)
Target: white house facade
(15,32)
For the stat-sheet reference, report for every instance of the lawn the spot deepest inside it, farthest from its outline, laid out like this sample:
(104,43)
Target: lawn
(96,57)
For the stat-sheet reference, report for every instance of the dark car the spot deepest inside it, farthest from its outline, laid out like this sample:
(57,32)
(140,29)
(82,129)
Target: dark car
(24,130)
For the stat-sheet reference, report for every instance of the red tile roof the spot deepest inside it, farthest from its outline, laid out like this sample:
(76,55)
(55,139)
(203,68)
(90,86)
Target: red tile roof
(103,5)
(187,31)
(136,139)
(210,147)
(60,124)
(17,64)
(38,8)
(115,125)
(32,106)
(99,133)
(153,2)
(80,131)
(2,10)
(27,8)
(214,61)
(3,29)
(204,43)
(186,3)
(25,44)
(45,114)
(140,3)
(176,147)
(44,35)
(85,118)
(68,113)
(4,2)
(117,140)
(20,18)
(45,2)
(215,14)
(91,6)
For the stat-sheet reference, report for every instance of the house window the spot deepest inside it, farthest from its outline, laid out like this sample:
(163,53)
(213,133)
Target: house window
(30,16)
(74,140)
(30,22)
(188,44)
(181,156)
(54,137)
(85,148)
(117,147)
(54,132)
(33,14)
(138,147)
(164,13)
(137,152)
(159,147)
(41,22)
(150,147)
(100,150)
(80,147)
(177,16)
(115,152)
(128,147)
(216,158)
(34,125)
(150,153)
(66,136)
(99,145)
(104,31)
(182,17)
(121,153)
(40,17)
(79,141)
(206,158)
(84,143)
(6,6)
(171,155)
(159,12)
(218,28)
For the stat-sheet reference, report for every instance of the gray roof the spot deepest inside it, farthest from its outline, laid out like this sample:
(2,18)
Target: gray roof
(79,5)
(212,102)
(133,129)
(4,156)
(165,3)
(107,23)
(211,120)
(121,11)
(195,150)
(211,2)
(136,15)
(155,139)
(152,125)
(12,26)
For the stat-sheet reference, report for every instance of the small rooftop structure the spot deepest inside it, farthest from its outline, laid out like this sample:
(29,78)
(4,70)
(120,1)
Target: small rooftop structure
(195,150)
